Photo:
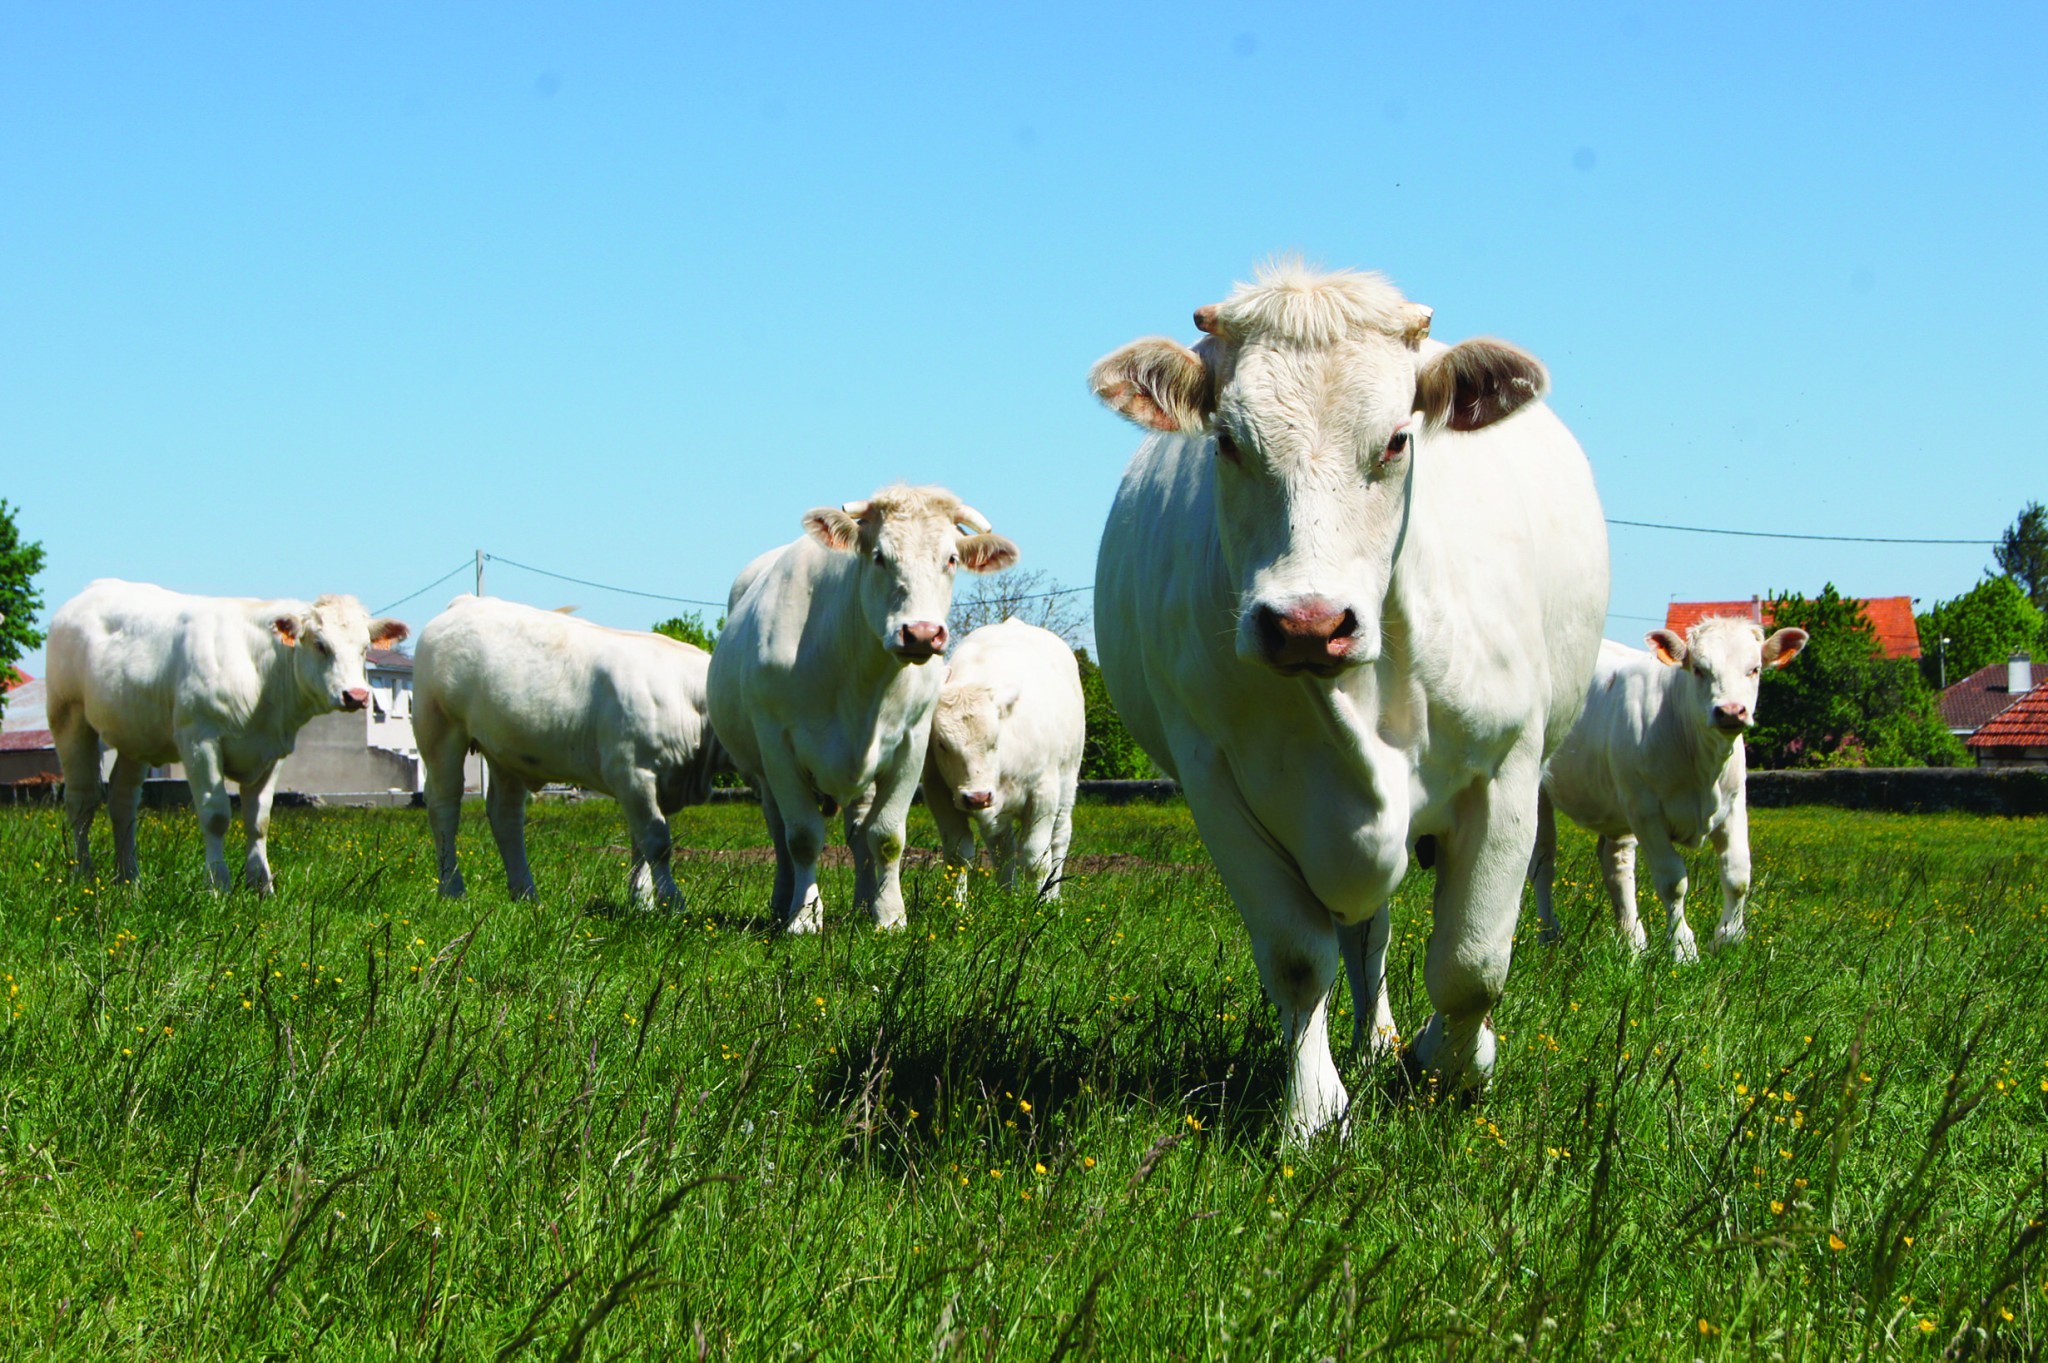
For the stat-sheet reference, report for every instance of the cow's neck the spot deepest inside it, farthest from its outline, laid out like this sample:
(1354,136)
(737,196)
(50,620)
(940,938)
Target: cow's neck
(1706,748)
(284,705)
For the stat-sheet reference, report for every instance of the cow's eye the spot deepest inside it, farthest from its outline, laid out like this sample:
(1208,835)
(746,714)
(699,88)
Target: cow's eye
(1397,445)
(952,560)
(324,649)
(1754,670)
(878,558)
(1226,445)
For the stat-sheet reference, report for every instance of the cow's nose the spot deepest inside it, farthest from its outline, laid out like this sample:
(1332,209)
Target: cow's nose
(977,799)
(922,638)
(1312,633)
(1732,715)
(355,698)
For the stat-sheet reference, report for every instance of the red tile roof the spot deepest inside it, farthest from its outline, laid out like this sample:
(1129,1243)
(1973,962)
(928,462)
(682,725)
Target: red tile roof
(1898,634)
(2024,724)
(26,740)
(1973,701)
(1681,616)
(389,658)
(16,677)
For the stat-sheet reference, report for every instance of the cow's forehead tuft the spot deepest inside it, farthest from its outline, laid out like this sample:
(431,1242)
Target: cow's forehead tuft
(1287,303)
(903,502)
(1724,632)
(339,612)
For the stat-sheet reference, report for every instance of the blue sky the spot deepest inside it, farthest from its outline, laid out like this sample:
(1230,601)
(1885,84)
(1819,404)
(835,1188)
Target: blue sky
(302,298)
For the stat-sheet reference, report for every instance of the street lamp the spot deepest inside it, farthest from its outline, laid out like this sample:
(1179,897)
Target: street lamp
(1942,653)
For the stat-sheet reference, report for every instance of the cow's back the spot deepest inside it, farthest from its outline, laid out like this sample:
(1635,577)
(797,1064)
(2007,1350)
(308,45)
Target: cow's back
(1047,727)
(565,697)
(136,661)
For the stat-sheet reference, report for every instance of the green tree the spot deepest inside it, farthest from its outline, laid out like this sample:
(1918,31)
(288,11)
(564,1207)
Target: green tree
(1841,702)
(20,561)
(1110,753)
(1985,625)
(691,629)
(2023,552)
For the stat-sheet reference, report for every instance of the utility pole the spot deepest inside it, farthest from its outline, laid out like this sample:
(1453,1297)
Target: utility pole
(483,768)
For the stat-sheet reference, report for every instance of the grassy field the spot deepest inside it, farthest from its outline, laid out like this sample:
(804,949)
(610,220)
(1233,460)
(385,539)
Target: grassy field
(356,1120)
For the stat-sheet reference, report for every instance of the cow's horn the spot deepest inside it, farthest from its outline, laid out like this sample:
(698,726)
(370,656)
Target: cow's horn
(854,509)
(1205,319)
(1415,322)
(972,519)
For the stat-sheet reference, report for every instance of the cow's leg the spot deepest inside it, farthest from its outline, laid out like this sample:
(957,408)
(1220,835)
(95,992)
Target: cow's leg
(1543,868)
(78,753)
(882,836)
(798,907)
(1294,942)
(256,796)
(1364,946)
(124,807)
(1034,834)
(1480,867)
(1731,843)
(1618,874)
(207,775)
(777,834)
(647,827)
(1001,833)
(956,836)
(1062,839)
(444,747)
(1667,873)
(505,806)
(855,822)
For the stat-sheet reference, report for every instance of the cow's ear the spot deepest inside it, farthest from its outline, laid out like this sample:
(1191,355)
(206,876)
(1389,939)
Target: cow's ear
(1476,383)
(1007,698)
(1156,383)
(1669,648)
(833,528)
(286,628)
(1784,646)
(385,633)
(987,553)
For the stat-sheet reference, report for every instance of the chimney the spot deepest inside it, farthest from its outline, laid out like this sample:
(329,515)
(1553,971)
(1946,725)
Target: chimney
(2019,674)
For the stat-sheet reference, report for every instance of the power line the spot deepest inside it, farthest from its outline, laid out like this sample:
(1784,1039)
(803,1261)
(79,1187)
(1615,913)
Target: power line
(386,610)
(602,586)
(1788,535)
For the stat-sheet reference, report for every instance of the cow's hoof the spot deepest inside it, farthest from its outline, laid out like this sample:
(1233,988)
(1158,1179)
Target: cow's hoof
(1550,935)
(1725,940)
(804,924)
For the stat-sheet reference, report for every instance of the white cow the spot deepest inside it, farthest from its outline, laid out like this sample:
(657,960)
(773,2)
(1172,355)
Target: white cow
(823,682)
(222,684)
(1005,753)
(1349,595)
(1657,759)
(545,697)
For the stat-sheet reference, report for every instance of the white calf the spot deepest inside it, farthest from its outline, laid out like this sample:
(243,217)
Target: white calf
(1657,759)
(1005,753)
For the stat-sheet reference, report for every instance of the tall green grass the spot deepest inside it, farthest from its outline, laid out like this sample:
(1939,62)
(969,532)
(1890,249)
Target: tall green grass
(356,1120)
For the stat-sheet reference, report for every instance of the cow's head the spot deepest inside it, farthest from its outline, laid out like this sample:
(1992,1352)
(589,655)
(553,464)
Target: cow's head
(908,542)
(328,642)
(1317,393)
(1723,658)
(965,724)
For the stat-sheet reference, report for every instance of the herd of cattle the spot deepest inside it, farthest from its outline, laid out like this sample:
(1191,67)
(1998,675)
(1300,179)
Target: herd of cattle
(1350,596)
